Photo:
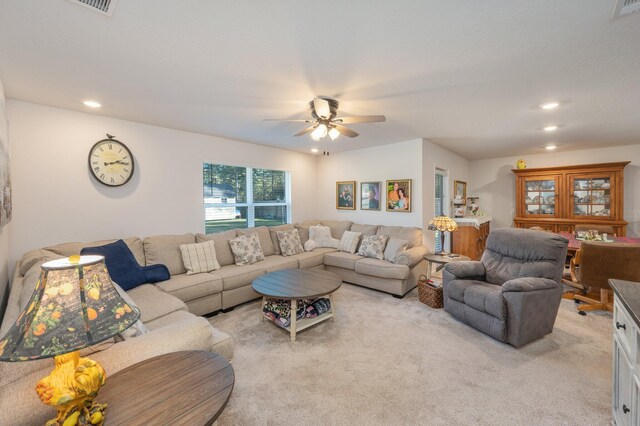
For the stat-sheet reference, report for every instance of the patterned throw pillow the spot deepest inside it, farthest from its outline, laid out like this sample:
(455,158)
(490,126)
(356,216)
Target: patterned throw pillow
(199,257)
(246,249)
(349,242)
(289,242)
(394,247)
(373,246)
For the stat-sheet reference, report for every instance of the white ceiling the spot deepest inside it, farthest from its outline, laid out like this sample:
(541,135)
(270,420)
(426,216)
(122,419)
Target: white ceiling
(467,74)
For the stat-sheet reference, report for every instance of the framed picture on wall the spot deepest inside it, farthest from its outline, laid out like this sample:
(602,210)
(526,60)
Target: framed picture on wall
(459,192)
(370,195)
(346,195)
(398,195)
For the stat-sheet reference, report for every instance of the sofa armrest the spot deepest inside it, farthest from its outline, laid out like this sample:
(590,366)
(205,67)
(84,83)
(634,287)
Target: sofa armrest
(465,269)
(412,256)
(529,284)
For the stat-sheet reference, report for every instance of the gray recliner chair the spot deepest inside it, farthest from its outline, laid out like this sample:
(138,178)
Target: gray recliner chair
(513,293)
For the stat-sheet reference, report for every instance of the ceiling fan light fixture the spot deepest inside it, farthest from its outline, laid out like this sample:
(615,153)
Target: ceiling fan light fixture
(320,132)
(334,133)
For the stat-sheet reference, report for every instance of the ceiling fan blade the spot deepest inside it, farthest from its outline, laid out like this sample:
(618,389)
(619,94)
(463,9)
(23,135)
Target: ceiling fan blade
(346,131)
(361,119)
(322,108)
(284,119)
(305,131)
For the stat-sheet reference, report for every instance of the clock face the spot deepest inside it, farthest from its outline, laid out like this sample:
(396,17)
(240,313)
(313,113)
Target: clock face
(111,162)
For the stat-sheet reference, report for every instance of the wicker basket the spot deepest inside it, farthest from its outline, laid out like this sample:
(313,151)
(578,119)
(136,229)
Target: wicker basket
(429,294)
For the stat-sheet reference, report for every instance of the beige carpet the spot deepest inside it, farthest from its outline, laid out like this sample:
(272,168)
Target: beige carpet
(397,362)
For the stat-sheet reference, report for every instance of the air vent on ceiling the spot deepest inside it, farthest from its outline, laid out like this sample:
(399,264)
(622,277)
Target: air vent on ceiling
(625,8)
(104,7)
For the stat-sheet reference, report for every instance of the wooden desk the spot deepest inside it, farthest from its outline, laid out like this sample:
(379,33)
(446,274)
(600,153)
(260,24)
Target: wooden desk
(179,388)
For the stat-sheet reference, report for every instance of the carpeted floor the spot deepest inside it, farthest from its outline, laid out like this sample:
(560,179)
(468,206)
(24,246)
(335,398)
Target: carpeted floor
(388,361)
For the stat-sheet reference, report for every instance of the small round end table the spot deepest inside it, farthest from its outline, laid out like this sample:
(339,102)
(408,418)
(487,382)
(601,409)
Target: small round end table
(441,260)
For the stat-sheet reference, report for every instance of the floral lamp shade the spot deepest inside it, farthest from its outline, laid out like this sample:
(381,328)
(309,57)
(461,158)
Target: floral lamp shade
(74,305)
(442,224)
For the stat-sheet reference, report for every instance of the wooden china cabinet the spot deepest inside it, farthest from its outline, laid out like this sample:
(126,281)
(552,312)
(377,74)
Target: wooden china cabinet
(558,198)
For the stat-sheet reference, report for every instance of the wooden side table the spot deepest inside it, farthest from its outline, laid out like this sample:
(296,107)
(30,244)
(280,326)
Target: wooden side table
(186,388)
(441,260)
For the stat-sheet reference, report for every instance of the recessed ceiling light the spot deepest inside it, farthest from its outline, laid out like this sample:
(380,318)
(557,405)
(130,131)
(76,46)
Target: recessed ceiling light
(92,104)
(549,128)
(550,147)
(314,150)
(550,105)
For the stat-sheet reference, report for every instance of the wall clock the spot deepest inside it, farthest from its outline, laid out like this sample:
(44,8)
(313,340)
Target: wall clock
(111,162)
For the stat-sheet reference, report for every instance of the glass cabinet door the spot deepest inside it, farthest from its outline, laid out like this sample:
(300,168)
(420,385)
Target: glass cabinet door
(540,196)
(591,196)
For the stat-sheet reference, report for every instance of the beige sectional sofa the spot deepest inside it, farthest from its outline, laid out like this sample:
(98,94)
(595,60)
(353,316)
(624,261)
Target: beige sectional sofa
(170,308)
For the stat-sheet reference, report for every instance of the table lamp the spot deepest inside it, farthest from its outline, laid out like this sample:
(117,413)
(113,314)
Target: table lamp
(74,305)
(442,224)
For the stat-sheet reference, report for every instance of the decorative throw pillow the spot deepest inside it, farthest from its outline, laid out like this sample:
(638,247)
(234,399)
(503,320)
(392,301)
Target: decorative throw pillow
(394,247)
(309,245)
(122,265)
(373,246)
(289,242)
(138,328)
(199,257)
(349,242)
(321,236)
(246,249)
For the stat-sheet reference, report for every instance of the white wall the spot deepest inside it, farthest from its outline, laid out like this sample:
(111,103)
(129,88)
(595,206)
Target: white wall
(377,164)
(415,159)
(4,232)
(494,182)
(56,200)
(457,168)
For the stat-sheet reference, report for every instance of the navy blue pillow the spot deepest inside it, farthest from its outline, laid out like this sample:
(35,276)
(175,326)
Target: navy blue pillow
(156,273)
(123,266)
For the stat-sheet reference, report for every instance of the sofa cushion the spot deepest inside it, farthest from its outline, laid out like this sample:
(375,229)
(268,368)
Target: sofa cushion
(246,249)
(154,303)
(223,248)
(69,249)
(341,259)
(165,250)
(486,298)
(199,257)
(321,237)
(273,233)
(169,319)
(382,269)
(312,258)
(33,256)
(190,287)
(337,227)
(411,234)
(395,246)
(234,276)
(364,230)
(373,246)
(289,242)
(349,242)
(121,264)
(277,263)
(303,233)
(263,236)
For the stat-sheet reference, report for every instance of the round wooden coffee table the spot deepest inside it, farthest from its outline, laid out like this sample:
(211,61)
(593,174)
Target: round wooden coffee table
(296,284)
(186,388)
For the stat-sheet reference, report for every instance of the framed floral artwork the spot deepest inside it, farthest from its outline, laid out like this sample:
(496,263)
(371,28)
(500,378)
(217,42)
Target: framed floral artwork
(399,195)
(346,195)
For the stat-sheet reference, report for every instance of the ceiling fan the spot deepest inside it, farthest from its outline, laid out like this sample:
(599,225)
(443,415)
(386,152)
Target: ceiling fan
(325,121)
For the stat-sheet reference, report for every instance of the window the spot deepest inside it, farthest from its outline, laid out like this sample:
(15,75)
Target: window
(440,203)
(242,197)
